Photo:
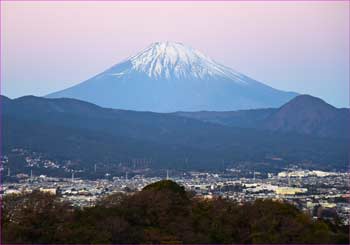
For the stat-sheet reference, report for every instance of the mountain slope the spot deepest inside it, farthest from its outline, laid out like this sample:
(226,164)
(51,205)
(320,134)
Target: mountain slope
(86,133)
(304,114)
(241,118)
(168,77)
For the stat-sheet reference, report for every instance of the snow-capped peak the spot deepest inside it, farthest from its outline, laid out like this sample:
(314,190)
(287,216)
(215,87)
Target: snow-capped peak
(173,60)
(168,77)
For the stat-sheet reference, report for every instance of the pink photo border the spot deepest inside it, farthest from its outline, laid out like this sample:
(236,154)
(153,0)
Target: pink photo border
(102,1)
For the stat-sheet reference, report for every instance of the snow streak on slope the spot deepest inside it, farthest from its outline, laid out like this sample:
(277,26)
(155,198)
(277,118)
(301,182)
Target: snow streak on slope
(172,60)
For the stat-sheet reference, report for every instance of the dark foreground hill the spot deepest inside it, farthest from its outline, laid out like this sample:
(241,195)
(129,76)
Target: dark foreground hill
(68,129)
(161,213)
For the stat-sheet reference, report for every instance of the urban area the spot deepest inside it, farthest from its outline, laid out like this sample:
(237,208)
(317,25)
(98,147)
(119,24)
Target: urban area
(322,194)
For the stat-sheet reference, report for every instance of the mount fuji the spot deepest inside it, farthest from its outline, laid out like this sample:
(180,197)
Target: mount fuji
(169,77)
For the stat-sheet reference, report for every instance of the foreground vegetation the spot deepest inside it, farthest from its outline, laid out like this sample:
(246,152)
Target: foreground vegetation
(161,213)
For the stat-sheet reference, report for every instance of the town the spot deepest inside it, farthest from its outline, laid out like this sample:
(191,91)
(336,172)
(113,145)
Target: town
(321,194)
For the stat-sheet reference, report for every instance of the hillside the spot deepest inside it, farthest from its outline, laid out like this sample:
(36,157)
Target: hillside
(86,134)
(304,114)
(162,213)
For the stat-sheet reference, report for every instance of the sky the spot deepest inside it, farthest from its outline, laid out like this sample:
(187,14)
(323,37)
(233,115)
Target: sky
(292,46)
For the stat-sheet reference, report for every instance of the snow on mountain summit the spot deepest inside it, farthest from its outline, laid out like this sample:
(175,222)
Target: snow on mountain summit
(169,77)
(173,60)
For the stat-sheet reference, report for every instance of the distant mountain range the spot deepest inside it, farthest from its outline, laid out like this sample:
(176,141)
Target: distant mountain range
(304,114)
(170,77)
(305,130)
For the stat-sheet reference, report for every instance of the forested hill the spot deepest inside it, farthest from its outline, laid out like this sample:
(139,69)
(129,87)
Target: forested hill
(87,134)
(162,212)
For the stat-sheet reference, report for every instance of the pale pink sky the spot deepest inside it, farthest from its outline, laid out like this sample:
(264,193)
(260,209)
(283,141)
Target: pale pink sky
(295,46)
